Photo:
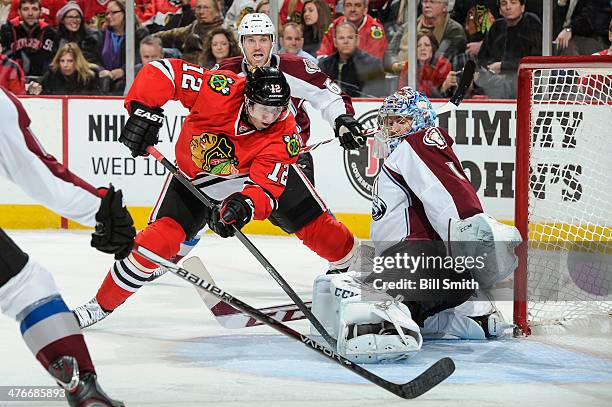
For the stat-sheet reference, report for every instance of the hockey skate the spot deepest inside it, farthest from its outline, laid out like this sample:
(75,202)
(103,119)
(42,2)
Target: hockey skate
(81,390)
(90,313)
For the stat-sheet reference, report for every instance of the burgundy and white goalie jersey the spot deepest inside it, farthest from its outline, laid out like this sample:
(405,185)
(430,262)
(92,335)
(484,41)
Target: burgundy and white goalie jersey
(308,84)
(420,187)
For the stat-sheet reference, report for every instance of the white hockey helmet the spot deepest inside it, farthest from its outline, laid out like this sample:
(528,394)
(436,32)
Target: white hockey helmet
(256,23)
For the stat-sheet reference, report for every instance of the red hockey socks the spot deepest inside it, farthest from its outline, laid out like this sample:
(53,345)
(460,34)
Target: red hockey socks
(330,239)
(162,237)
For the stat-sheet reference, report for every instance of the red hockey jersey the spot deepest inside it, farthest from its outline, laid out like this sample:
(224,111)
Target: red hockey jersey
(217,148)
(372,38)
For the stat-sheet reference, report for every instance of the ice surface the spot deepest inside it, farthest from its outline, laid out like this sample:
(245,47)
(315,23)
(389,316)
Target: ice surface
(163,348)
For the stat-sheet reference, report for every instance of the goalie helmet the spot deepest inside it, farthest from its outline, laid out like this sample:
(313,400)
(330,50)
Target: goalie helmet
(408,107)
(256,23)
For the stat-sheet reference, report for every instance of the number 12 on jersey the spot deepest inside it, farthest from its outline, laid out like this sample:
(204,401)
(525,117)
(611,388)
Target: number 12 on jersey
(279,173)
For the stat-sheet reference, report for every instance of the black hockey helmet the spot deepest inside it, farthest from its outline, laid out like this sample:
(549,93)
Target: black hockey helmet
(267,86)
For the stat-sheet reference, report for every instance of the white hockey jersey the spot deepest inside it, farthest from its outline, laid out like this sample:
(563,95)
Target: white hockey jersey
(421,185)
(25,162)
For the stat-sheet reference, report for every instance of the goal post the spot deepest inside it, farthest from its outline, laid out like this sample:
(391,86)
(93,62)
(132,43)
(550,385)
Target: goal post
(563,190)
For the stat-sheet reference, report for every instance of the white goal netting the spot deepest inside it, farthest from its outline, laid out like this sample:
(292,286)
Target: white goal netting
(569,265)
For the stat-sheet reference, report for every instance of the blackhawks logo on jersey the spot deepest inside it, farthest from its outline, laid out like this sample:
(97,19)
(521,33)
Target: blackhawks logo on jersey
(220,83)
(293,144)
(376,32)
(214,153)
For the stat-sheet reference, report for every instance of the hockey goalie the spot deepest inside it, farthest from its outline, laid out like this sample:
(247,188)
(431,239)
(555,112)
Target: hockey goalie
(424,207)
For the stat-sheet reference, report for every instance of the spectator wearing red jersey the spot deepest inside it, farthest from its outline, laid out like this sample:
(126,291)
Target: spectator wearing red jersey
(372,38)
(28,40)
(154,14)
(48,10)
(432,69)
(316,18)
(11,75)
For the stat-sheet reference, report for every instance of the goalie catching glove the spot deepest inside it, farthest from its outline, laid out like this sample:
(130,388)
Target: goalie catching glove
(142,128)
(349,131)
(235,211)
(115,231)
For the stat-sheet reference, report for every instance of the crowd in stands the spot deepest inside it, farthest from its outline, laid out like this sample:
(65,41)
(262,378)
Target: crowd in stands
(52,47)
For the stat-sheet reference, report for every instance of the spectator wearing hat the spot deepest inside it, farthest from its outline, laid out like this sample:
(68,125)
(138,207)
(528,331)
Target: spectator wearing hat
(72,28)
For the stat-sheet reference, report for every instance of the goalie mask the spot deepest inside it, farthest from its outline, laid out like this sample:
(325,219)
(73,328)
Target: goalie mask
(405,112)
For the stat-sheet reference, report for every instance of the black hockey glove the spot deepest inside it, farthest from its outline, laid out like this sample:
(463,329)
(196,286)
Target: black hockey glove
(115,231)
(140,130)
(349,131)
(236,210)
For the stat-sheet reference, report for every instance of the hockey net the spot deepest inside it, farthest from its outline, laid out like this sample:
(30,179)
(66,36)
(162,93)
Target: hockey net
(564,192)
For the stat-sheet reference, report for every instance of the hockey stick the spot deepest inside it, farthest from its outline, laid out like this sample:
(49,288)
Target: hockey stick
(466,80)
(430,378)
(248,244)
(232,318)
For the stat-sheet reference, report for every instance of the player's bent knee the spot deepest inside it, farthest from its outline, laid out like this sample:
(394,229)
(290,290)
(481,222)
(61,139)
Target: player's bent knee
(163,237)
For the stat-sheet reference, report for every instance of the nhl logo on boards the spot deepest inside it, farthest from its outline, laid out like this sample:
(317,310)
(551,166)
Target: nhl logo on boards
(220,84)
(360,166)
(434,138)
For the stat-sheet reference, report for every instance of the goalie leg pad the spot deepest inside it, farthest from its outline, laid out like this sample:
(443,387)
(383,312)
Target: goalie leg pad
(398,338)
(493,241)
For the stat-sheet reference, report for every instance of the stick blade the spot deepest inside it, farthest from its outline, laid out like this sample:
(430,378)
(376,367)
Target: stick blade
(466,80)
(436,374)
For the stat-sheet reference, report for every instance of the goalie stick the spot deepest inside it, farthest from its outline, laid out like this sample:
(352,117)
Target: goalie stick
(424,382)
(174,170)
